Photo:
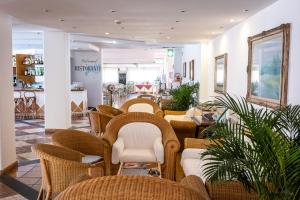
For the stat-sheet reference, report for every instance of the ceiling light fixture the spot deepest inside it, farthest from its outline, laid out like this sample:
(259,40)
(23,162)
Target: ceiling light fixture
(117,21)
(61,19)
(221,27)
(74,27)
(45,10)
(172,28)
(107,33)
(183,11)
(177,21)
(113,11)
(246,10)
(122,27)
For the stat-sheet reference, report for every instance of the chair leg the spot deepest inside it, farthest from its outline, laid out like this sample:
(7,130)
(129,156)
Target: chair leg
(48,195)
(41,194)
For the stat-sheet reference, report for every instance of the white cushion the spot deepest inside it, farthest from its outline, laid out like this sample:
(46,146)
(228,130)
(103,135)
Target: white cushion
(141,107)
(192,163)
(177,118)
(159,150)
(193,112)
(90,159)
(139,135)
(117,149)
(138,155)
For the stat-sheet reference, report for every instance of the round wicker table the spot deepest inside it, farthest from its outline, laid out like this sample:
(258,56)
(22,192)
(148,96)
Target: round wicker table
(129,188)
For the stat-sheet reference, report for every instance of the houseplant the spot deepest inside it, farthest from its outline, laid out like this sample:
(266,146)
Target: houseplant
(184,96)
(261,150)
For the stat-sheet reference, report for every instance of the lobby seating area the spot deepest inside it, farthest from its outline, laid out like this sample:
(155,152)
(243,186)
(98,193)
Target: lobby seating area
(150,100)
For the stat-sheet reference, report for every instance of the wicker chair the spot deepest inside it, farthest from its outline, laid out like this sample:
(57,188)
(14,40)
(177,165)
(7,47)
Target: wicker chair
(98,122)
(183,129)
(130,106)
(78,141)
(232,190)
(133,188)
(109,110)
(147,96)
(170,142)
(60,167)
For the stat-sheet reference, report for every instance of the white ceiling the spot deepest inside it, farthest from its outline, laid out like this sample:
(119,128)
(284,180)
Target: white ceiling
(150,21)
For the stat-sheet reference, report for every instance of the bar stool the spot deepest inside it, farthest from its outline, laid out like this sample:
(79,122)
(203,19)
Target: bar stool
(30,102)
(19,105)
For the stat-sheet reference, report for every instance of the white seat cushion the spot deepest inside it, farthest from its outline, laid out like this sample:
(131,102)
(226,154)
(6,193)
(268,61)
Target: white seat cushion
(141,107)
(90,159)
(138,155)
(177,118)
(192,164)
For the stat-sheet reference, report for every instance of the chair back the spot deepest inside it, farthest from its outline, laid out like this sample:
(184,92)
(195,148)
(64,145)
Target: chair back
(109,110)
(98,122)
(147,96)
(130,187)
(78,141)
(141,105)
(59,166)
(139,135)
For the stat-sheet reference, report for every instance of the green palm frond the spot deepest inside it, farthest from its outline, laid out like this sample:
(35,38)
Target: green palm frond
(261,150)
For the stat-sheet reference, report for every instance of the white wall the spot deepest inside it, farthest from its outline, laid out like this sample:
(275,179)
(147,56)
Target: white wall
(192,52)
(92,79)
(234,42)
(7,122)
(57,80)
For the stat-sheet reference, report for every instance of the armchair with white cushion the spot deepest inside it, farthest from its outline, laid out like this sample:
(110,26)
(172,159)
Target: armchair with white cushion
(142,105)
(140,137)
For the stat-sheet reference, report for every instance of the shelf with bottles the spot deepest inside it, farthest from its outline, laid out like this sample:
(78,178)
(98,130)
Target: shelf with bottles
(34,71)
(30,60)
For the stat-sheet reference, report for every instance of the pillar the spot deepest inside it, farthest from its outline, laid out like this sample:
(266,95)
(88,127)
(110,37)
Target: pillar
(7,121)
(57,80)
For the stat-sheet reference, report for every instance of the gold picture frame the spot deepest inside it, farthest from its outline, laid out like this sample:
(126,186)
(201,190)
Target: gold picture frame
(268,60)
(220,81)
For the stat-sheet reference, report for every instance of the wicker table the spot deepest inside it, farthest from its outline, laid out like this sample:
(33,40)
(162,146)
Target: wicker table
(139,169)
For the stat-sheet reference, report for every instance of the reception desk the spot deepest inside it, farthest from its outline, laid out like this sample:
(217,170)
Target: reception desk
(30,103)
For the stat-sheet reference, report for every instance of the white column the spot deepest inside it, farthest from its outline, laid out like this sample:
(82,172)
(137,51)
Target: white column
(57,80)
(7,121)
(205,52)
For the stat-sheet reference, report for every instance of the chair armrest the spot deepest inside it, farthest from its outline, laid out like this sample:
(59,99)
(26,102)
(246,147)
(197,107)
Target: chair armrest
(195,183)
(158,150)
(197,143)
(233,190)
(171,112)
(159,112)
(117,149)
(186,126)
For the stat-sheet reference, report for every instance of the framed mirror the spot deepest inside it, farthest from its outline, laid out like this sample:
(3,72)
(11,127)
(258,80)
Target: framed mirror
(192,63)
(268,67)
(184,70)
(221,73)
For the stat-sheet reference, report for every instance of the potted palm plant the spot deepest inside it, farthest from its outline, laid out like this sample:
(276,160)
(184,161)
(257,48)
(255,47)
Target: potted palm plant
(184,96)
(261,150)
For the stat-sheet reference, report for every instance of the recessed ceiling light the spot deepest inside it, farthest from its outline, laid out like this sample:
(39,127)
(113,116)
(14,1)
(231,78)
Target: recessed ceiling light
(177,21)
(232,20)
(183,11)
(61,19)
(172,28)
(122,27)
(113,11)
(221,27)
(246,10)
(107,33)
(117,21)
(45,10)
(160,33)
(74,27)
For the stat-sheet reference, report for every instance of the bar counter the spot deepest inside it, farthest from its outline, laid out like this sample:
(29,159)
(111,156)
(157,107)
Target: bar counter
(30,102)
